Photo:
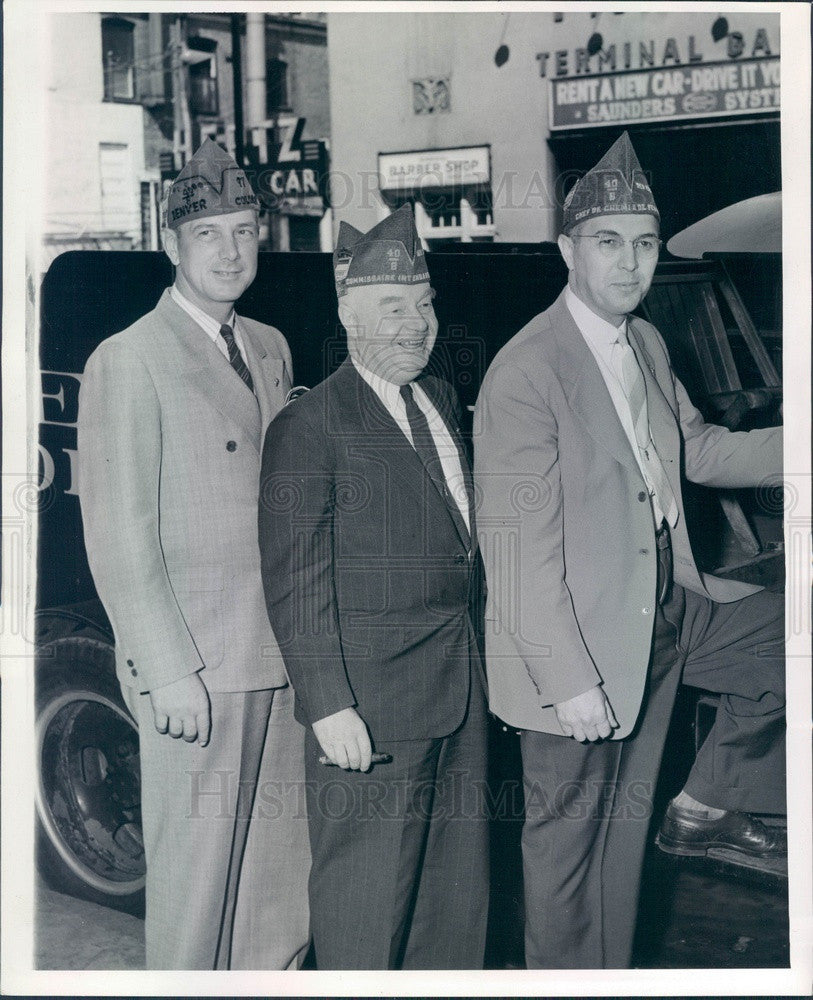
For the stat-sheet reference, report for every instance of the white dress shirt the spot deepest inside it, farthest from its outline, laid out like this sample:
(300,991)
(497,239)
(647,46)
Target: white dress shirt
(209,325)
(390,395)
(600,336)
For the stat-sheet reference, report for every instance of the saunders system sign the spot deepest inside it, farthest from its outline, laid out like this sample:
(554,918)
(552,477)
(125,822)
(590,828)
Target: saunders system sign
(678,92)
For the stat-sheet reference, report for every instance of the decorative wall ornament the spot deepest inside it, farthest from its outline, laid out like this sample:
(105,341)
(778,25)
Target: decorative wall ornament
(431,95)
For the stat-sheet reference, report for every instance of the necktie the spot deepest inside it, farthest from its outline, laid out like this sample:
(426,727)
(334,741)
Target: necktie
(634,386)
(424,445)
(235,357)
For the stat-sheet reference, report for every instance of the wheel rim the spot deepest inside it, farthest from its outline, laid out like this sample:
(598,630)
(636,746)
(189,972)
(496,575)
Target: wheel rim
(88,790)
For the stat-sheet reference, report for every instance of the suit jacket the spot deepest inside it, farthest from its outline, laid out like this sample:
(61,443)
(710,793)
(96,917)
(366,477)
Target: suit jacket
(169,460)
(366,567)
(566,525)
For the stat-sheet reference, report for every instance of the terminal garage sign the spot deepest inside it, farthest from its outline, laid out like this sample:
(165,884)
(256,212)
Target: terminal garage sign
(708,91)
(434,167)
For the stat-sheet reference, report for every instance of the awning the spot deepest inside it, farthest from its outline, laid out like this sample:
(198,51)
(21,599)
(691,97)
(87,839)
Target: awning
(750,226)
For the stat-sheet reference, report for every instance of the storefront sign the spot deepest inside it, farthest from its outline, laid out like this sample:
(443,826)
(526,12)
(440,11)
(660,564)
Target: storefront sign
(288,173)
(436,167)
(707,91)
(645,53)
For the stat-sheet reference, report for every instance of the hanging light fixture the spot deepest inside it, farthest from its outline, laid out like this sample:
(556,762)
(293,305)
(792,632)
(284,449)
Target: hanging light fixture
(595,43)
(503,52)
(719,29)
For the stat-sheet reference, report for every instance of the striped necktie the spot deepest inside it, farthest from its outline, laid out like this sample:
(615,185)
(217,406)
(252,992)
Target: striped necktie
(632,381)
(235,357)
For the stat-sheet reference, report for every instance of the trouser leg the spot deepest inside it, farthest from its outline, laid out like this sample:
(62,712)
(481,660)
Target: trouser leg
(587,815)
(188,802)
(737,650)
(372,835)
(270,925)
(447,926)
(359,826)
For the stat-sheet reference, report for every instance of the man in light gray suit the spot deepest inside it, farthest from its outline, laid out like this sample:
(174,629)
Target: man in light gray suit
(596,609)
(171,420)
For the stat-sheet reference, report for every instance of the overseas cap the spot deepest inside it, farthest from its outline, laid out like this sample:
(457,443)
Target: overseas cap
(615,186)
(389,254)
(210,184)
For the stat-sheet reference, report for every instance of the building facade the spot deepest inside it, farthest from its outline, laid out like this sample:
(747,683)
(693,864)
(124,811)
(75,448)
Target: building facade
(131,96)
(484,120)
(102,181)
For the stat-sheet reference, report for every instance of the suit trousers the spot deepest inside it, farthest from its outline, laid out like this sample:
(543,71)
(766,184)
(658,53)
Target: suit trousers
(225,836)
(400,854)
(588,806)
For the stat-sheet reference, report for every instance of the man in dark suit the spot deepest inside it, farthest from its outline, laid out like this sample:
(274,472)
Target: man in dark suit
(596,609)
(369,563)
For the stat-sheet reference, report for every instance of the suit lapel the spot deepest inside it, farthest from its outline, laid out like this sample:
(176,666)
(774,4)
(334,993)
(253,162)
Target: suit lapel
(200,362)
(268,373)
(408,470)
(585,387)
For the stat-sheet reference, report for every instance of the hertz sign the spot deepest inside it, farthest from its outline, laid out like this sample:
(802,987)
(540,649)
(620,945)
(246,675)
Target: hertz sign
(679,92)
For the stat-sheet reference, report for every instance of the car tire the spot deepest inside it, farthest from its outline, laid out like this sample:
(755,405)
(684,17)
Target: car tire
(88,802)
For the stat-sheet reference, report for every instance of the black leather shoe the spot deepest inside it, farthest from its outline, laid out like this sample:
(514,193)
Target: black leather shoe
(735,834)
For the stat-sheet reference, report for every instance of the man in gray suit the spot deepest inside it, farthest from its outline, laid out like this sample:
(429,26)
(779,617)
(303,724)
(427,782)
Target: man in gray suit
(171,417)
(596,609)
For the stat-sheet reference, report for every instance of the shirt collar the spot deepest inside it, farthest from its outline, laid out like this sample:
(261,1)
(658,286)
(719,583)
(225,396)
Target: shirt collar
(203,319)
(597,331)
(388,391)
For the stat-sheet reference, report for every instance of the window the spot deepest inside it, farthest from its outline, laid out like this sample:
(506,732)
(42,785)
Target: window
(119,214)
(118,59)
(276,87)
(443,216)
(202,59)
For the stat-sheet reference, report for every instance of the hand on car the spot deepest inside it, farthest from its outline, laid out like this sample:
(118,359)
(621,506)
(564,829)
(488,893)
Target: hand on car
(588,717)
(344,738)
(181,709)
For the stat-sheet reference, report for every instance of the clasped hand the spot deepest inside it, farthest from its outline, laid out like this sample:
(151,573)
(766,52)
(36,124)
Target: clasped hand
(588,717)
(344,738)
(181,709)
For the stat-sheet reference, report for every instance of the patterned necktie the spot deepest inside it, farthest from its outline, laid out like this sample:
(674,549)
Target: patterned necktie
(427,451)
(632,381)
(235,357)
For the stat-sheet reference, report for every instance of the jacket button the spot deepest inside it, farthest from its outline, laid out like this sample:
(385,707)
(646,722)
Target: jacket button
(459,558)
(643,552)
(231,446)
(129,663)
(642,496)
(646,611)
(134,672)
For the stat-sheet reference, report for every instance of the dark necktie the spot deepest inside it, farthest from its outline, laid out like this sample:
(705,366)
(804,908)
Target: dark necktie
(235,357)
(426,449)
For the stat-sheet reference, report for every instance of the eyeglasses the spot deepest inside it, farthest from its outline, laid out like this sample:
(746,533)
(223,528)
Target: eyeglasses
(645,247)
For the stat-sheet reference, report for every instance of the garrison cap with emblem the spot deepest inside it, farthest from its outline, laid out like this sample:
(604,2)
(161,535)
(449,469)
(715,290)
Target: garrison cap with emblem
(389,254)
(210,184)
(615,186)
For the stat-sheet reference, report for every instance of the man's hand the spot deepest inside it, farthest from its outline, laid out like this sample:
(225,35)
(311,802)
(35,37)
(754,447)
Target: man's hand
(345,740)
(182,709)
(588,717)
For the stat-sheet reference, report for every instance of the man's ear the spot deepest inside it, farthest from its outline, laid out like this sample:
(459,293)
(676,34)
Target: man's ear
(347,315)
(169,238)
(566,250)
